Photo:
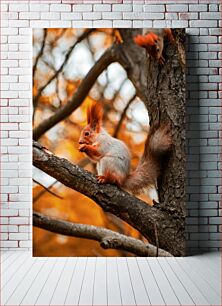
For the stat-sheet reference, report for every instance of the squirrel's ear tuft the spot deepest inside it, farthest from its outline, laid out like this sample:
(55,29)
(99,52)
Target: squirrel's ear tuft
(95,116)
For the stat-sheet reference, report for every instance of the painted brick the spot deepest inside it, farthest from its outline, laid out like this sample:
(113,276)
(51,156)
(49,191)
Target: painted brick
(60,24)
(162,23)
(82,24)
(198,7)
(9,212)
(39,24)
(208,15)
(102,23)
(29,15)
(203,23)
(147,23)
(19,220)
(171,16)
(102,7)
(154,8)
(24,229)
(213,7)
(8,244)
(18,7)
(122,23)
(177,8)
(82,8)
(60,7)
(50,15)
(18,236)
(122,7)
(135,15)
(39,7)
(137,24)
(112,15)
(70,16)
(25,244)
(92,15)
(18,23)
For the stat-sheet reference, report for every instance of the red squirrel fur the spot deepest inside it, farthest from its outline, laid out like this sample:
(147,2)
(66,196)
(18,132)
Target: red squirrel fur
(153,42)
(113,157)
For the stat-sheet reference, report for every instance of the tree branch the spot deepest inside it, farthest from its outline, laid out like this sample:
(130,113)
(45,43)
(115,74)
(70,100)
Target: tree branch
(104,61)
(112,199)
(108,239)
(79,39)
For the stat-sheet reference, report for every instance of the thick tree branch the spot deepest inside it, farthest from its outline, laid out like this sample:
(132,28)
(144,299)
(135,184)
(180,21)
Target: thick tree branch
(105,60)
(111,199)
(108,239)
(79,39)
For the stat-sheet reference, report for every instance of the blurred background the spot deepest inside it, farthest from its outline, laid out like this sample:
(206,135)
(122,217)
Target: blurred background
(125,117)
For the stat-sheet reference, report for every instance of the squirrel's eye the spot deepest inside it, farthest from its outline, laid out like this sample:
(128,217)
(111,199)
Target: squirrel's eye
(87,133)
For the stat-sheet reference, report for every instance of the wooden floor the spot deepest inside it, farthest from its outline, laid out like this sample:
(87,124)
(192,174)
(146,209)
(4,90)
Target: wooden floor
(110,281)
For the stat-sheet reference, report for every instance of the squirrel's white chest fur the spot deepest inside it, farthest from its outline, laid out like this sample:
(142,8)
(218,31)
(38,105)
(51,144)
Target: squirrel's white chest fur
(116,155)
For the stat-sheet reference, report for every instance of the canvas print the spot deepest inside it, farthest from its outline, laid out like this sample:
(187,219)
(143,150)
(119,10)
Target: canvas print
(109,142)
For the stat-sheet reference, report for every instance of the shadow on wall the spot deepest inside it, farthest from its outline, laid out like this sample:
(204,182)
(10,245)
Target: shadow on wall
(192,149)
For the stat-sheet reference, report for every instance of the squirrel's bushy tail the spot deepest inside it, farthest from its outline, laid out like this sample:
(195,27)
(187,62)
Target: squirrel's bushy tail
(158,144)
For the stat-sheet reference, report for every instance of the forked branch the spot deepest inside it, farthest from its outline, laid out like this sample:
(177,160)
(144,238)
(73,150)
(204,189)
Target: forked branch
(108,239)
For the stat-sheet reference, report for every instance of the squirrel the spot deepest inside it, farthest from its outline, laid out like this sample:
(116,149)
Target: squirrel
(153,42)
(113,157)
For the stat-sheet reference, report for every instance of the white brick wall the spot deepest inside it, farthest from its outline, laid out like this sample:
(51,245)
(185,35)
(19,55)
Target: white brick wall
(201,17)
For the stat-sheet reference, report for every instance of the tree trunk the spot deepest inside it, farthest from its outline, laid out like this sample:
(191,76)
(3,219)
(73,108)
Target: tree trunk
(162,89)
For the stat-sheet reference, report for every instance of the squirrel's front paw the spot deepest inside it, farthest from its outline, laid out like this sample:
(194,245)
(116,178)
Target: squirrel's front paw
(101,179)
(82,147)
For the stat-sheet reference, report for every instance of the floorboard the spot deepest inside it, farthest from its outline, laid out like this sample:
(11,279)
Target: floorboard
(110,281)
(47,291)
(165,287)
(113,285)
(100,283)
(126,289)
(63,284)
(139,288)
(180,291)
(73,294)
(86,294)
(152,288)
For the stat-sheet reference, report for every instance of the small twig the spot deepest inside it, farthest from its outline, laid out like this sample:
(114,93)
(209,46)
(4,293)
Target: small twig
(157,240)
(123,116)
(46,189)
(108,239)
(39,54)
